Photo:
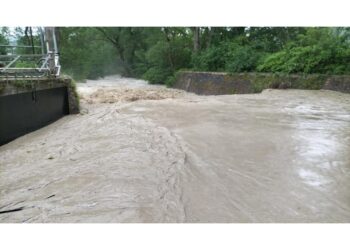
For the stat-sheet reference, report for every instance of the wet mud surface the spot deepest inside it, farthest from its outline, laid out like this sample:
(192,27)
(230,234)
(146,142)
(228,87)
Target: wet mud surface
(141,153)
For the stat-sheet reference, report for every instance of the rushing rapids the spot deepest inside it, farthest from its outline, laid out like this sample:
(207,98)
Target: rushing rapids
(143,153)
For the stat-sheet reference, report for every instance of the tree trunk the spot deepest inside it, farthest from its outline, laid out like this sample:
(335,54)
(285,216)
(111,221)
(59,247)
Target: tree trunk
(170,57)
(196,37)
(209,36)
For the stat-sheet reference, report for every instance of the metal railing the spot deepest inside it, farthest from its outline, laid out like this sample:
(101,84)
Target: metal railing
(46,64)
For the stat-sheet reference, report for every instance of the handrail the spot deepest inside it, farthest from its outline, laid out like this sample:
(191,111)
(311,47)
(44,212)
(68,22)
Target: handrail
(12,62)
(25,55)
(19,46)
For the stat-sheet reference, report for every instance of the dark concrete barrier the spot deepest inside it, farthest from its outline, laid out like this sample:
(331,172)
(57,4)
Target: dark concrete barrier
(213,83)
(27,105)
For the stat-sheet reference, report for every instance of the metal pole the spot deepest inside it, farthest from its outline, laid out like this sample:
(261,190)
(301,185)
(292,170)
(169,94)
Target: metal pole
(31,39)
(42,40)
(54,40)
(49,44)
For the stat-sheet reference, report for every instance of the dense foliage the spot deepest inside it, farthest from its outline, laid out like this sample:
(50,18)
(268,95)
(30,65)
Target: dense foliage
(156,53)
(317,51)
(84,54)
(3,40)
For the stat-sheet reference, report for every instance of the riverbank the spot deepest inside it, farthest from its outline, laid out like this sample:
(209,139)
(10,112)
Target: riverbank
(216,83)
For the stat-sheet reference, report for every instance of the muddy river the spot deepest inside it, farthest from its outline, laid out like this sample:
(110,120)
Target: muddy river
(142,153)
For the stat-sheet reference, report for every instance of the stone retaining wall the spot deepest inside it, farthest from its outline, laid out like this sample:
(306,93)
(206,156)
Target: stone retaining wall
(213,83)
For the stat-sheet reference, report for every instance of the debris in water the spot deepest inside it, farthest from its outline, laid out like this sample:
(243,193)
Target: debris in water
(12,210)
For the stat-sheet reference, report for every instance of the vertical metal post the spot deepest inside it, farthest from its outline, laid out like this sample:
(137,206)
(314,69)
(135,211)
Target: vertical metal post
(49,31)
(31,39)
(42,40)
(54,41)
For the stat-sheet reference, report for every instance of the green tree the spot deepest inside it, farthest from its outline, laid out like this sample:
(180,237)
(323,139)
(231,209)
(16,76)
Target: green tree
(3,40)
(171,53)
(84,54)
(319,50)
(156,53)
(126,40)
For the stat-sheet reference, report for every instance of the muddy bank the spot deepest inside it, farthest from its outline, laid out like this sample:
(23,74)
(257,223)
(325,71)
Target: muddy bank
(279,156)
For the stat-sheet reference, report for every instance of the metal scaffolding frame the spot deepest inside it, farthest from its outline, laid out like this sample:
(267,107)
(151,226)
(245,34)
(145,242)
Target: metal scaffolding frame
(45,64)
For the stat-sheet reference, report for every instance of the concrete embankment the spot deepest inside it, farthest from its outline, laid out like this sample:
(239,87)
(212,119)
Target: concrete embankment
(29,104)
(213,83)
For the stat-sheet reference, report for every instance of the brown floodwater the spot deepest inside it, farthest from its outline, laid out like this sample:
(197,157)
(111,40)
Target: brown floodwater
(145,153)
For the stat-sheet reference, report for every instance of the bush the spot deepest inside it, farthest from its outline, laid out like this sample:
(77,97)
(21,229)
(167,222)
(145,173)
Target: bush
(3,41)
(242,58)
(163,59)
(316,52)
(156,75)
(310,59)
(232,56)
(169,82)
(26,64)
(211,59)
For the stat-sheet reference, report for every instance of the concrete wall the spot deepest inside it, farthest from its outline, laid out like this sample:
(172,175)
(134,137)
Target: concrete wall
(212,83)
(17,86)
(27,105)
